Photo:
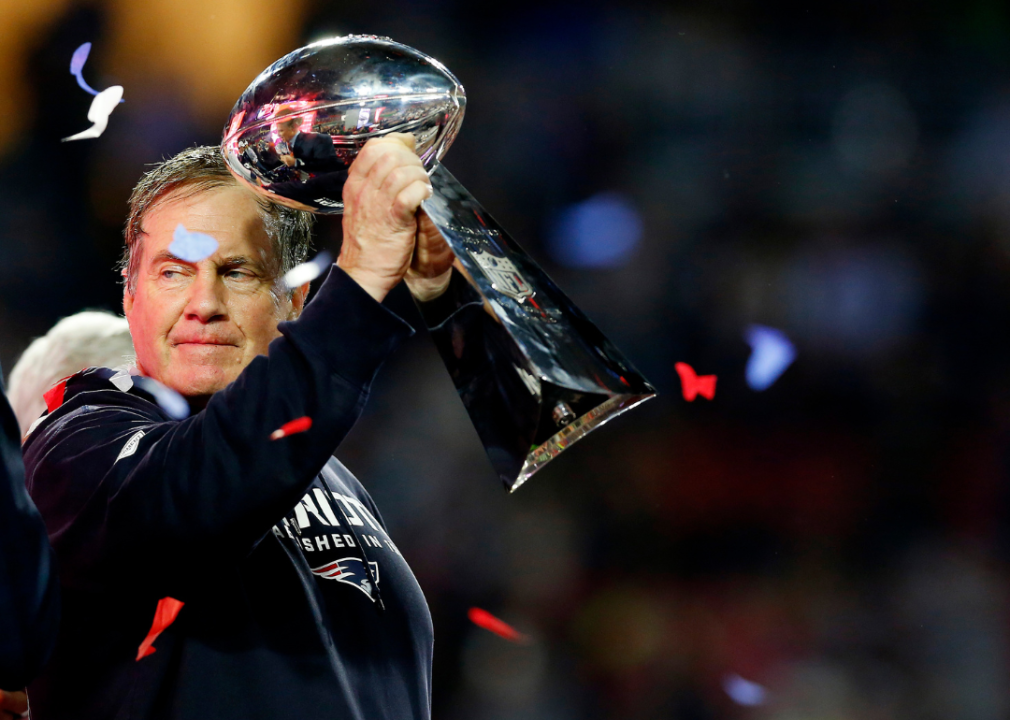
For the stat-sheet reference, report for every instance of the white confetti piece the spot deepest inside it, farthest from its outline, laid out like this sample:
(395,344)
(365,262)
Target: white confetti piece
(771,354)
(101,107)
(174,404)
(307,272)
(191,246)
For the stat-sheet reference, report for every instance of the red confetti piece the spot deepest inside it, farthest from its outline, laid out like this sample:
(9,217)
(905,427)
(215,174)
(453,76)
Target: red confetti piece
(484,619)
(164,615)
(290,428)
(694,384)
(54,395)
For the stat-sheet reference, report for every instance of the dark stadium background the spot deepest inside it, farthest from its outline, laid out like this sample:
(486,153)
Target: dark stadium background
(840,171)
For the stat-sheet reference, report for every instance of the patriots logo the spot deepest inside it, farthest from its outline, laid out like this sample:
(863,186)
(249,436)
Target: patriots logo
(350,570)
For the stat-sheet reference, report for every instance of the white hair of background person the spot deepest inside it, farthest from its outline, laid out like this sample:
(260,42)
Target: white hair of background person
(93,338)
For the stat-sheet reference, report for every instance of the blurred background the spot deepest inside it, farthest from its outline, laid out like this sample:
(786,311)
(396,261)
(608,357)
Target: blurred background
(833,547)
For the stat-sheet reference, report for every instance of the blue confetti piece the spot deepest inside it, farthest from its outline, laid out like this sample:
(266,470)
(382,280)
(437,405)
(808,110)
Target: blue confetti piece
(80,57)
(77,65)
(174,404)
(77,61)
(771,354)
(744,692)
(191,246)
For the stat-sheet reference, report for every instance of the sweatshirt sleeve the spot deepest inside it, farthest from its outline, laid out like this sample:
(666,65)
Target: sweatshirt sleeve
(129,495)
(29,591)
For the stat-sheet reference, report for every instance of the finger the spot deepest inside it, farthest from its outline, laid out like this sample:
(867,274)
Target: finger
(372,164)
(430,262)
(383,196)
(394,156)
(428,233)
(402,176)
(376,148)
(383,160)
(406,139)
(410,198)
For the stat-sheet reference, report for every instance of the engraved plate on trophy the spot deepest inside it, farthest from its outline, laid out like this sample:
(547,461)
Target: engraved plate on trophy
(533,372)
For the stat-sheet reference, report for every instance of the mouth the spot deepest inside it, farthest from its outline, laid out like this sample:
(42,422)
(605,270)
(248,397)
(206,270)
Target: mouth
(202,343)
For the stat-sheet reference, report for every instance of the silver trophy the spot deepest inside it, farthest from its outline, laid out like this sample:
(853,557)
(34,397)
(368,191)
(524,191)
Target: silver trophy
(534,373)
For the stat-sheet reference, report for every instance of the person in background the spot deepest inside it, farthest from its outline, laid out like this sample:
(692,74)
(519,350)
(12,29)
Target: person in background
(92,338)
(28,586)
(29,589)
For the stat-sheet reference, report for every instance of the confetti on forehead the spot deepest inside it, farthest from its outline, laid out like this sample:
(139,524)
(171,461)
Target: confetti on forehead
(484,619)
(101,107)
(192,246)
(308,271)
(771,354)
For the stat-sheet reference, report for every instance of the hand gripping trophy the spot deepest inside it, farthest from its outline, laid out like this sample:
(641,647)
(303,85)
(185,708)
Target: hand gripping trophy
(556,377)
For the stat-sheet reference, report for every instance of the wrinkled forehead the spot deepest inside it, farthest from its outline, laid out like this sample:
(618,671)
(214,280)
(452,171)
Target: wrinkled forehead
(229,213)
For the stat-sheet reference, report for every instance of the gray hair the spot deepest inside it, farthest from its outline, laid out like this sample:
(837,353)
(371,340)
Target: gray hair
(195,170)
(92,338)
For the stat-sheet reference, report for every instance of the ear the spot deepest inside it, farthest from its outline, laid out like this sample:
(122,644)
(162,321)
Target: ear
(298,296)
(127,302)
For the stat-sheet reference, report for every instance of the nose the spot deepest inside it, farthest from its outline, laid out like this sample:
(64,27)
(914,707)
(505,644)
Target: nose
(206,302)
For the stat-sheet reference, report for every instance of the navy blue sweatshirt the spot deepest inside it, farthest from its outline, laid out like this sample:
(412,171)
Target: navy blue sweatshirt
(29,593)
(297,603)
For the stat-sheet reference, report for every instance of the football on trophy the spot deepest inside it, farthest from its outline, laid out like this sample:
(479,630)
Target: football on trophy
(295,130)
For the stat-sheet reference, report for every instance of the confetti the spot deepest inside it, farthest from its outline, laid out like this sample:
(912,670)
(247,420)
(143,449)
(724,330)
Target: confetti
(693,384)
(484,619)
(77,61)
(191,246)
(77,65)
(54,395)
(771,354)
(101,107)
(164,615)
(744,692)
(174,404)
(290,428)
(307,272)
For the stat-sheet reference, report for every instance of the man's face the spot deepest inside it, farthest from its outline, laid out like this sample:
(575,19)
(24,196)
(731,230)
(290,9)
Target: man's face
(289,128)
(195,326)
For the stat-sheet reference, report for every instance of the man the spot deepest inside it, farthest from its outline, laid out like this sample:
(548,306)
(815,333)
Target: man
(312,152)
(295,602)
(85,339)
(318,173)
(29,594)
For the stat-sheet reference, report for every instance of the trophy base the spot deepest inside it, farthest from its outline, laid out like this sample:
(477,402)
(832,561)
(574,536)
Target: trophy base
(571,433)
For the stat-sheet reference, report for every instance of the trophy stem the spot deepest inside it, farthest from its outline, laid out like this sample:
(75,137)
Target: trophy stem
(533,371)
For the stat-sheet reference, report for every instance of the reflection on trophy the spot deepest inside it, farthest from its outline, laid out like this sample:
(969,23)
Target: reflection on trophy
(292,136)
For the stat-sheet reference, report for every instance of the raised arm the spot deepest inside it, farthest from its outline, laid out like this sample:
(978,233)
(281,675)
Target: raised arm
(130,496)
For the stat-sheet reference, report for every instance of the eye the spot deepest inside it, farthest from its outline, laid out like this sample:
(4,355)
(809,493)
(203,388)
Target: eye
(169,274)
(238,274)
